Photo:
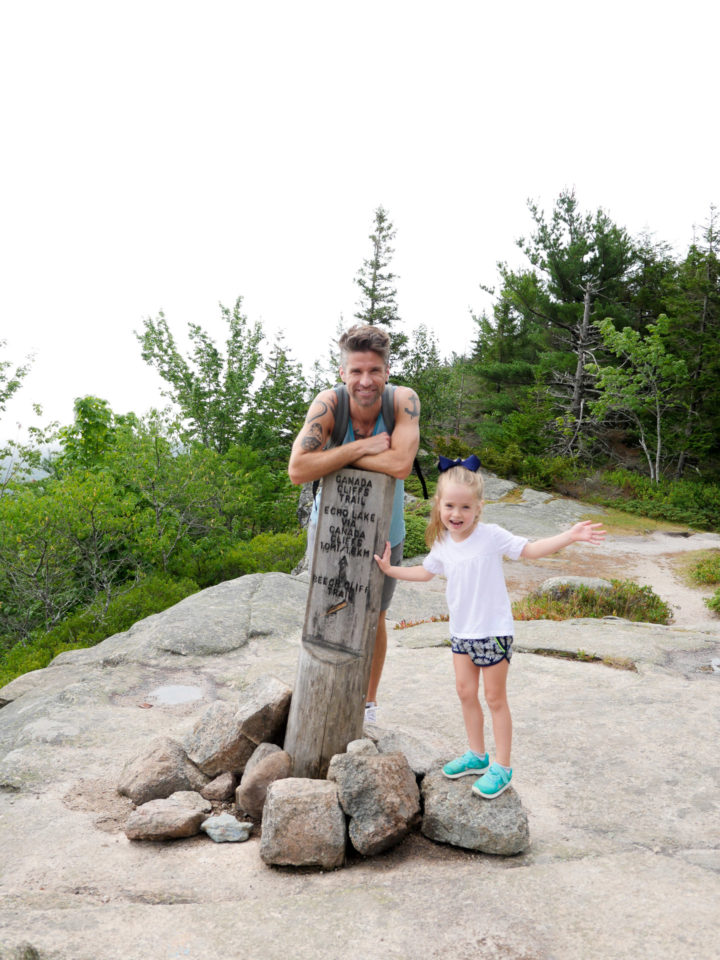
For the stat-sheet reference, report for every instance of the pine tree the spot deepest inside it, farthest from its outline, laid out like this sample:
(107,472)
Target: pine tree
(378,305)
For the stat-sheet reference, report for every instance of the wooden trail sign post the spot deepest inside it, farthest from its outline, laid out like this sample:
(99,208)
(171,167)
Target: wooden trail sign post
(328,703)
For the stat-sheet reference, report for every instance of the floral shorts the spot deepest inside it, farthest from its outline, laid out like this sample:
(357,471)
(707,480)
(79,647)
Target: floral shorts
(486,652)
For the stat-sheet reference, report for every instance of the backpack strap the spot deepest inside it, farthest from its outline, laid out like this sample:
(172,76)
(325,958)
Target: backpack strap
(342,417)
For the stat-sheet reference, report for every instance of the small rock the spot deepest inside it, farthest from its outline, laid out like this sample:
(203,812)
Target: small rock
(221,788)
(178,816)
(160,770)
(250,795)
(224,828)
(303,825)
(261,751)
(454,815)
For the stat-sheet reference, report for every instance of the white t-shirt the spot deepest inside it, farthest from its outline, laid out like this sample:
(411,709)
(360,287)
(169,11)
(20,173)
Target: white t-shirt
(476,593)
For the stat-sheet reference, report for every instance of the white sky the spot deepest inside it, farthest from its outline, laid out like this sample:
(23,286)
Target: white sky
(173,155)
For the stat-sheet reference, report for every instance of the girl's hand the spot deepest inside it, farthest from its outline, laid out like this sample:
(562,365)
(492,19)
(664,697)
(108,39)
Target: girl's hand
(384,561)
(588,531)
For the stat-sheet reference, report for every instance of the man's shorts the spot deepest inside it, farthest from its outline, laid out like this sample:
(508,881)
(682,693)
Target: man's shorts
(486,652)
(389,584)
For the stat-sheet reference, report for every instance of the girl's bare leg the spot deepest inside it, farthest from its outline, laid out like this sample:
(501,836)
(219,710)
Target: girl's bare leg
(495,687)
(467,681)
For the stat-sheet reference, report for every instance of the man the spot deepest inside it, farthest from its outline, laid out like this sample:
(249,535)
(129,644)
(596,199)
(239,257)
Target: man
(364,369)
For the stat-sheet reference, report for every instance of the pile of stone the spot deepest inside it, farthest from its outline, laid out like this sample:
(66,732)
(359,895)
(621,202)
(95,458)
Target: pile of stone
(374,794)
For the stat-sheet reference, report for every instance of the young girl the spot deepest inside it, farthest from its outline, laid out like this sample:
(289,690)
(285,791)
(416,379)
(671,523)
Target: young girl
(470,555)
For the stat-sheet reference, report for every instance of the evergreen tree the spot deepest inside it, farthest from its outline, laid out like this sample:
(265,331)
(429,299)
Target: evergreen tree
(377,305)
(693,304)
(580,265)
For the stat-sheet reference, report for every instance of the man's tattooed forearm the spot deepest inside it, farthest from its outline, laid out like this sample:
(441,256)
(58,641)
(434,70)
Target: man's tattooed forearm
(313,439)
(413,410)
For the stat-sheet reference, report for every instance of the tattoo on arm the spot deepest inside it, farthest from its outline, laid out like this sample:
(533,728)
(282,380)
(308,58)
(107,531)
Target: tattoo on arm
(316,416)
(413,410)
(313,439)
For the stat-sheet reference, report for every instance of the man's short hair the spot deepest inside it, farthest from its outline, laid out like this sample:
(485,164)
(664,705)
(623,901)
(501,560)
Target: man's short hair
(363,337)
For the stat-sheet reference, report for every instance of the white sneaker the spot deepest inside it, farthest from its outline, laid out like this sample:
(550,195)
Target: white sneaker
(370,713)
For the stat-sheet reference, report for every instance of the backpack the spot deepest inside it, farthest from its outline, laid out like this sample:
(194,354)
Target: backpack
(342,418)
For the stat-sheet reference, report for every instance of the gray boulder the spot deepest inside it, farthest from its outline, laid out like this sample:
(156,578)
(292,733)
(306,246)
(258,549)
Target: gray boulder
(303,825)
(224,828)
(558,586)
(380,795)
(250,795)
(264,707)
(158,771)
(216,743)
(177,816)
(454,815)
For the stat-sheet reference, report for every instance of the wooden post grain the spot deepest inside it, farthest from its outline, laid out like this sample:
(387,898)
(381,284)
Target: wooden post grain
(328,702)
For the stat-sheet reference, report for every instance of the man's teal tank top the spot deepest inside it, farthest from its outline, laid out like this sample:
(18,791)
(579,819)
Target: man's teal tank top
(397,519)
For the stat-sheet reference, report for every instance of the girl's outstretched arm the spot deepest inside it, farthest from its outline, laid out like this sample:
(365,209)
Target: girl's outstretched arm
(586,531)
(418,573)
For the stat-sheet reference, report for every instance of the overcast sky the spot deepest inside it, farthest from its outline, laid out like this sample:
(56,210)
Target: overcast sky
(174,155)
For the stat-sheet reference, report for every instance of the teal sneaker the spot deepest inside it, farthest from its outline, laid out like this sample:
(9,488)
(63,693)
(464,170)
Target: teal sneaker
(495,781)
(466,764)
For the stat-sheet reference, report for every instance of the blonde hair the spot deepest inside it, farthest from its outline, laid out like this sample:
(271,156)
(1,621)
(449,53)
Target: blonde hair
(435,530)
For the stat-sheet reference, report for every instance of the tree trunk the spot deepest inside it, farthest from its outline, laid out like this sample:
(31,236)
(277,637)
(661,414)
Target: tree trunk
(581,350)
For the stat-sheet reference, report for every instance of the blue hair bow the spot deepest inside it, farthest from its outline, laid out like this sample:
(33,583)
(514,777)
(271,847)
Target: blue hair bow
(472,463)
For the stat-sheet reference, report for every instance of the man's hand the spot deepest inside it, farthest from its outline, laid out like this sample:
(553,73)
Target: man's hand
(378,443)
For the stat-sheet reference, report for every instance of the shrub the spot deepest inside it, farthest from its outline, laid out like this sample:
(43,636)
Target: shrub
(265,553)
(415,535)
(626,599)
(713,602)
(707,569)
(694,503)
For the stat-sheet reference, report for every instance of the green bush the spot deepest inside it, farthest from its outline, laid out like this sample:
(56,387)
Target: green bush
(265,553)
(713,602)
(87,627)
(707,570)
(626,599)
(415,535)
(694,503)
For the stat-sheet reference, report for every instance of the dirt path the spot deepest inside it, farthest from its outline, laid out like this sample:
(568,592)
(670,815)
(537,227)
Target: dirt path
(649,559)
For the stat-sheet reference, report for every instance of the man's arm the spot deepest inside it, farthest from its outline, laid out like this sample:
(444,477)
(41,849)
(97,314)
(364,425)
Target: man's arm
(308,459)
(397,460)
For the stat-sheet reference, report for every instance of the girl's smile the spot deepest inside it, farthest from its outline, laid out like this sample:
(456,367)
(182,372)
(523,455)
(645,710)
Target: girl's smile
(459,510)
